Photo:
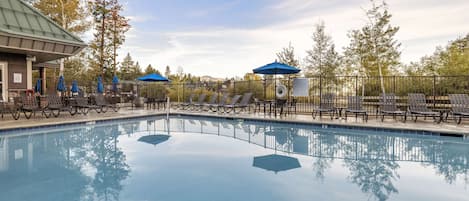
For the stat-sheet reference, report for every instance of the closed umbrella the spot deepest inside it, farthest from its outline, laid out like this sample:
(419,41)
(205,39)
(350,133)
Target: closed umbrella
(61,84)
(115,82)
(100,87)
(75,88)
(37,88)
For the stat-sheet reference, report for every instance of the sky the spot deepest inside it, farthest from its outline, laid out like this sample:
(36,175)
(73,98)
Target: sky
(227,38)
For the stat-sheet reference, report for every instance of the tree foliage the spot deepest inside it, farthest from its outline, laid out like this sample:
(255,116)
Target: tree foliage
(70,14)
(322,59)
(287,56)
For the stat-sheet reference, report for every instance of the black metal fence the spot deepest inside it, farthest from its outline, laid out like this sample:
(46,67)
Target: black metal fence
(436,88)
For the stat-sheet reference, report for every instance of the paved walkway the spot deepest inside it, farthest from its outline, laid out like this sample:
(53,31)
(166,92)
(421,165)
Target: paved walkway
(424,125)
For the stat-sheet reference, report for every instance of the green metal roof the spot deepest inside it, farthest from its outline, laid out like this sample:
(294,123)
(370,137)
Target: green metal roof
(19,18)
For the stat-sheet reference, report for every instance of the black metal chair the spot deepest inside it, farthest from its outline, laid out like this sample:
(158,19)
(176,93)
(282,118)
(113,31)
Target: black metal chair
(326,105)
(30,105)
(355,106)
(388,107)
(418,107)
(55,105)
(459,106)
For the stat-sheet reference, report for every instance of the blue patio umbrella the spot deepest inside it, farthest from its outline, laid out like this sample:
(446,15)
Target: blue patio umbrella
(61,84)
(276,68)
(276,163)
(100,87)
(75,88)
(153,78)
(154,139)
(115,81)
(37,88)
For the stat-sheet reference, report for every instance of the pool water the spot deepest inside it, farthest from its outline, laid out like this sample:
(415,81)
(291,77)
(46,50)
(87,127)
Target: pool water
(191,158)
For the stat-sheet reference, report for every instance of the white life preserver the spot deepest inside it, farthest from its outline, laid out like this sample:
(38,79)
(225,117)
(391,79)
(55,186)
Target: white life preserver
(281,91)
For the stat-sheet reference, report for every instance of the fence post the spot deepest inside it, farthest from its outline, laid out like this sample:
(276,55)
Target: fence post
(394,84)
(434,91)
(320,89)
(234,87)
(356,85)
(218,91)
(183,91)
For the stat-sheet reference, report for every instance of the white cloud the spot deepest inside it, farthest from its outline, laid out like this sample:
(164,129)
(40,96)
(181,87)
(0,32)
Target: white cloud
(227,52)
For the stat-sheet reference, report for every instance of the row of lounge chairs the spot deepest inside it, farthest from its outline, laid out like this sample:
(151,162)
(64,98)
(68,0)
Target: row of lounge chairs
(217,104)
(416,107)
(54,105)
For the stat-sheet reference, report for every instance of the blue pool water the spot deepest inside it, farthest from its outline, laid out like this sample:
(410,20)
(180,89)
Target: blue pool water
(189,158)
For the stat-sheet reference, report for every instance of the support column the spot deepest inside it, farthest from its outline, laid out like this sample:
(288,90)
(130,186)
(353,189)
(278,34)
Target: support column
(43,78)
(29,71)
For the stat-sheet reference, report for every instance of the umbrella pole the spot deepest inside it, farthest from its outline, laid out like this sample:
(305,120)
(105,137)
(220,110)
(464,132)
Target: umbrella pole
(275,94)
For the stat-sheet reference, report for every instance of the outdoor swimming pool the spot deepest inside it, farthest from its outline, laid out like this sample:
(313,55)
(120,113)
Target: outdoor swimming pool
(195,158)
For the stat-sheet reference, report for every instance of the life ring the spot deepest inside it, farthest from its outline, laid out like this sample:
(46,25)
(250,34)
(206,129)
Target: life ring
(281,91)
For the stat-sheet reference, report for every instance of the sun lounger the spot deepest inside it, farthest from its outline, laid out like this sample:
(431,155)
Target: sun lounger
(188,103)
(326,105)
(104,104)
(29,106)
(388,107)
(245,101)
(418,107)
(212,100)
(459,106)
(229,107)
(214,107)
(84,106)
(55,105)
(355,106)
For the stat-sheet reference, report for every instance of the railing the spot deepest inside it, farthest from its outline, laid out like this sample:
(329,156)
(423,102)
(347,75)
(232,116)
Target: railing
(436,88)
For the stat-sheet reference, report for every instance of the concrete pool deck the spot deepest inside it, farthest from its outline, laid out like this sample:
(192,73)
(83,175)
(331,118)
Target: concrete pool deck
(8,123)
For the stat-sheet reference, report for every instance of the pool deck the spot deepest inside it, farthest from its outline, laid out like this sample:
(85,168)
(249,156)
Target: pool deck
(8,123)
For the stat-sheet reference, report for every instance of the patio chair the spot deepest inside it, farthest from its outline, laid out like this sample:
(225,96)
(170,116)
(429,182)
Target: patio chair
(11,108)
(229,107)
(82,104)
(55,105)
(459,106)
(188,103)
(388,107)
(244,104)
(326,105)
(214,107)
(29,106)
(418,107)
(212,100)
(200,101)
(355,106)
(101,102)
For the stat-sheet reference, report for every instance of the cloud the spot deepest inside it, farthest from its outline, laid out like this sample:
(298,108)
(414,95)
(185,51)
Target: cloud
(229,51)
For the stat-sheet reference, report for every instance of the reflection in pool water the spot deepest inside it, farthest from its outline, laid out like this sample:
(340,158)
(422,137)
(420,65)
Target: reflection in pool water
(219,159)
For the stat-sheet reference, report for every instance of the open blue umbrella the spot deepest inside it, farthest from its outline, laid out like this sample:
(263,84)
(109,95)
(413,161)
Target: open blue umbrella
(37,88)
(276,163)
(276,68)
(61,84)
(153,78)
(115,81)
(100,87)
(75,88)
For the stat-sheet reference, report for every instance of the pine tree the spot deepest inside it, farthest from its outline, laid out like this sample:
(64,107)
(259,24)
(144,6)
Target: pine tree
(120,25)
(126,67)
(150,70)
(102,43)
(322,59)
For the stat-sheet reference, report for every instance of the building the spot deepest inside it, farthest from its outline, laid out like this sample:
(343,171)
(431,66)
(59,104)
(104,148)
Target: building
(29,41)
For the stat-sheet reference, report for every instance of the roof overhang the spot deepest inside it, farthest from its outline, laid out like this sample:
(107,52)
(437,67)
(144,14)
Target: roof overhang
(44,50)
